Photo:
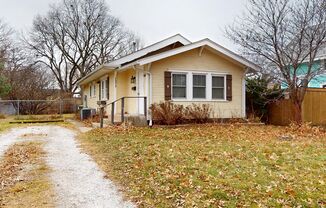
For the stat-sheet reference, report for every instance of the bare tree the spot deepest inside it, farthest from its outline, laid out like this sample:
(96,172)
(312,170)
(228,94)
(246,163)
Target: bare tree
(5,42)
(5,33)
(75,37)
(287,34)
(28,81)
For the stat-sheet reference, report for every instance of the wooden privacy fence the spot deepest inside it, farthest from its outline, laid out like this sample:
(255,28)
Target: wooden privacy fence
(313,109)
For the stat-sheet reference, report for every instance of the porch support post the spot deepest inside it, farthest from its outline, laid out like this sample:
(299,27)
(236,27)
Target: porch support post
(145,107)
(122,109)
(112,113)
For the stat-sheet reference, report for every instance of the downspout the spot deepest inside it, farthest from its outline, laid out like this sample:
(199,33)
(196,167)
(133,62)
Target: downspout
(244,115)
(149,114)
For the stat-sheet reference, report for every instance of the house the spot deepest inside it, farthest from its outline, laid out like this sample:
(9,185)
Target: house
(319,81)
(319,65)
(175,70)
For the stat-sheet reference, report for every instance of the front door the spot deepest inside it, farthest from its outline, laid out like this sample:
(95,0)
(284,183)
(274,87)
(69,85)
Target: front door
(140,91)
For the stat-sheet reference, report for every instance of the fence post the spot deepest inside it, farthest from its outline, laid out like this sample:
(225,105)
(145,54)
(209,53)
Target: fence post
(60,106)
(18,108)
(112,113)
(101,115)
(145,107)
(122,109)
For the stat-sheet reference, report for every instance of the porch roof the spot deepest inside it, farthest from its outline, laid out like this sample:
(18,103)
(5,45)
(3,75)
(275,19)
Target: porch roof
(139,58)
(99,72)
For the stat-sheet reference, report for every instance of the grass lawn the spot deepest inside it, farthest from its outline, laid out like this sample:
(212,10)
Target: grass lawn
(211,166)
(5,120)
(24,177)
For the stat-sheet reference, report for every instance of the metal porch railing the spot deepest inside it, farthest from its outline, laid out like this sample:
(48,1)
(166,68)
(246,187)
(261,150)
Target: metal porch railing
(113,104)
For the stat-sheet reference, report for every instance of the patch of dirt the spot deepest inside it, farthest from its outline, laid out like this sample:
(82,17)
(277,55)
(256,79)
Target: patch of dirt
(31,135)
(23,181)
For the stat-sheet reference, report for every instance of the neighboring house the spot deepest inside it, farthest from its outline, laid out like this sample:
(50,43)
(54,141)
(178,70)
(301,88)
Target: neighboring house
(319,81)
(7,108)
(320,63)
(176,70)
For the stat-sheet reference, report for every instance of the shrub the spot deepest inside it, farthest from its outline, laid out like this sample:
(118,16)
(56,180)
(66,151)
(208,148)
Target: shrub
(167,113)
(198,113)
(2,116)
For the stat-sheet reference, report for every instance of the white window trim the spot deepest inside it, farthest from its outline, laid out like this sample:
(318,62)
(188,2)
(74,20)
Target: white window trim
(189,85)
(187,90)
(104,93)
(219,75)
(93,90)
(192,86)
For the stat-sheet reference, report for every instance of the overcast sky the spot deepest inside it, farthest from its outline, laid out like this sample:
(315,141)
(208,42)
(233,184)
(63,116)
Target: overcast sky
(152,20)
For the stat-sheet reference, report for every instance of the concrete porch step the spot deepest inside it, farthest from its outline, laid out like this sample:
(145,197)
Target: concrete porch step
(135,120)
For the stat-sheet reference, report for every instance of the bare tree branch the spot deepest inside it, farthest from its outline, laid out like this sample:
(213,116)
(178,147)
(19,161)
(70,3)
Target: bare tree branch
(75,37)
(287,35)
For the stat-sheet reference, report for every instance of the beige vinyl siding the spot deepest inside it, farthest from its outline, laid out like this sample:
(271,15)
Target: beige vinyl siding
(208,61)
(124,86)
(92,101)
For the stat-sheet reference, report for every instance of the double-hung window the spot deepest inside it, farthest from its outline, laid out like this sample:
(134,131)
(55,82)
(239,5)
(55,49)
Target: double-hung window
(103,83)
(199,86)
(218,87)
(94,90)
(179,86)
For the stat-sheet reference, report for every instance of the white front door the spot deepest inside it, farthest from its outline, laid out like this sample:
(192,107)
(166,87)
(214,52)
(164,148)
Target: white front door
(140,91)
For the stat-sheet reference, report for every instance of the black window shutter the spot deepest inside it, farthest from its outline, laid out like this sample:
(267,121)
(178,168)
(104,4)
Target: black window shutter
(229,87)
(167,85)
(108,88)
(99,91)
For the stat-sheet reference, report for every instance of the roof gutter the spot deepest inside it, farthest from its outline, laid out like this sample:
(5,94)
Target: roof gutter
(99,68)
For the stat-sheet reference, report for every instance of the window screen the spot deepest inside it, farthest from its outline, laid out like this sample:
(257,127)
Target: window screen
(179,86)
(199,86)
(218,87)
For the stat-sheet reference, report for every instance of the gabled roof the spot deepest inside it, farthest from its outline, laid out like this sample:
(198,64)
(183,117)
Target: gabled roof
(203,43)
(155,52)
(149,49)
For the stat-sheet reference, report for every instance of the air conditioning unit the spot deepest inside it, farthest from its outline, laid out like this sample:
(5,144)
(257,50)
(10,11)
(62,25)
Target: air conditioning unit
(86,113)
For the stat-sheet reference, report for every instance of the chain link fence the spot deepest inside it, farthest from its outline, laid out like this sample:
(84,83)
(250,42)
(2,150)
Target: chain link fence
(39,107)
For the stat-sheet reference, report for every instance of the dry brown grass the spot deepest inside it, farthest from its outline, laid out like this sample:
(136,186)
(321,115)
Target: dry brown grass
(214,165)
(23,177)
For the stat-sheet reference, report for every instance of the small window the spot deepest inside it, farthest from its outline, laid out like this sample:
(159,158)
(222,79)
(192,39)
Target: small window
(179,85)
(90,90)
(199,86)
(103,90)
(218,87)
(94,90)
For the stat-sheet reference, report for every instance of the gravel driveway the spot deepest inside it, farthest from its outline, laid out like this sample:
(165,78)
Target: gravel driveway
(77,180)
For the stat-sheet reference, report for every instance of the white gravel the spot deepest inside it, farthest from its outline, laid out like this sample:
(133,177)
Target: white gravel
(13,135)
(77,180)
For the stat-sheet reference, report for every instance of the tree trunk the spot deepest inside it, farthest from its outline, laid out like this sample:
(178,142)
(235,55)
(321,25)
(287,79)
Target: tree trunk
(297,111)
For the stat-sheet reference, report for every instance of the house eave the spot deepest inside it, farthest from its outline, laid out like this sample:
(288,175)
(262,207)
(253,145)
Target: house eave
(99,72)
(206,42)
